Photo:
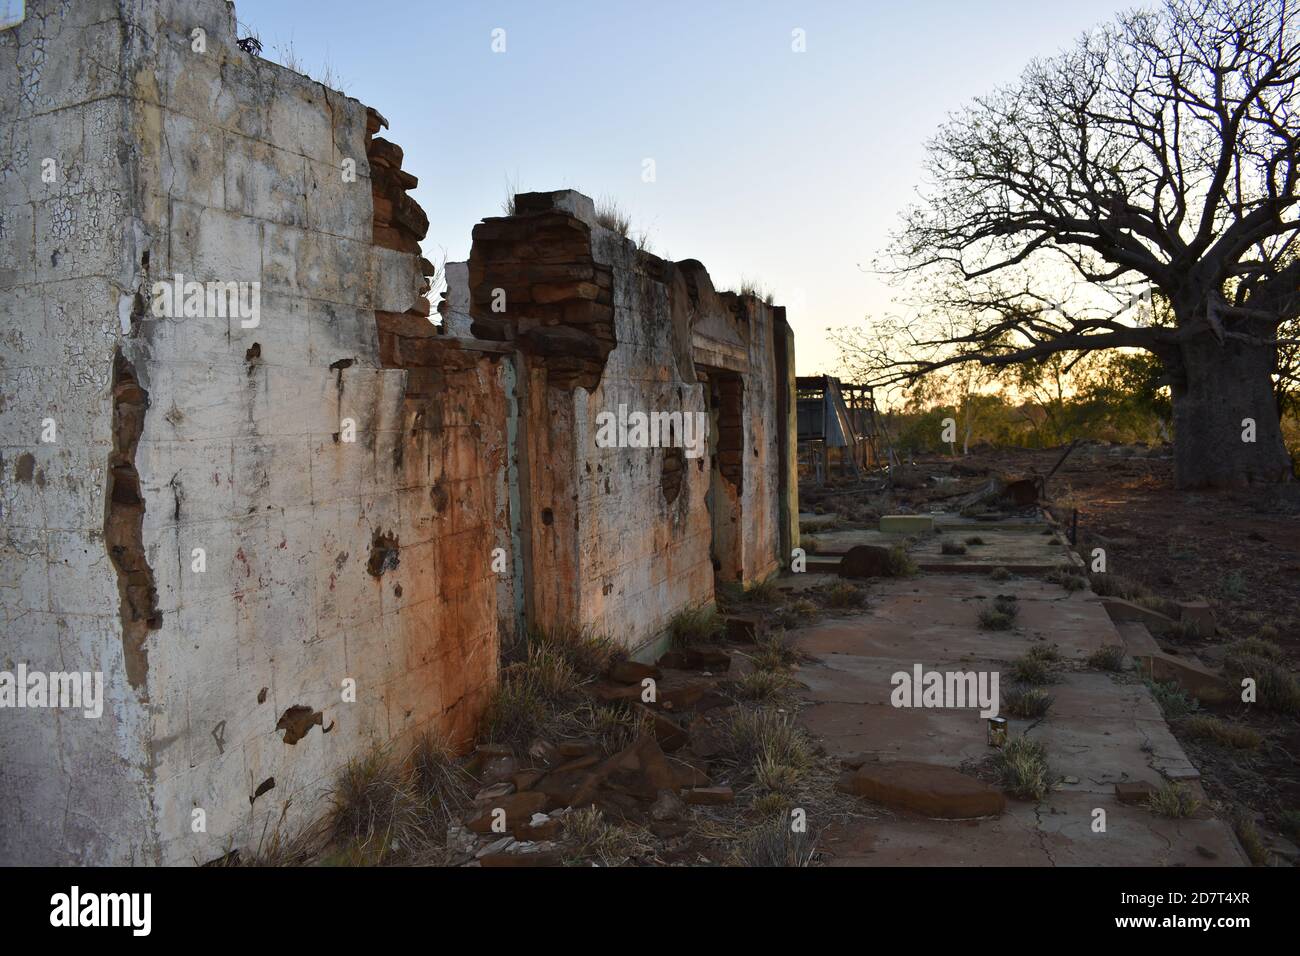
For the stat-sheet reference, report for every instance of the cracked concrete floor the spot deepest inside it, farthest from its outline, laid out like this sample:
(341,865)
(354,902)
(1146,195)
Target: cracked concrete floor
(1101,730)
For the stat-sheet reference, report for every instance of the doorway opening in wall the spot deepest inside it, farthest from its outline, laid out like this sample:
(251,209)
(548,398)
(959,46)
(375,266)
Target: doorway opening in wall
(726,391)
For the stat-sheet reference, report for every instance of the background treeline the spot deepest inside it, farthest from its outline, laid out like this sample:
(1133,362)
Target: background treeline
(1111,396)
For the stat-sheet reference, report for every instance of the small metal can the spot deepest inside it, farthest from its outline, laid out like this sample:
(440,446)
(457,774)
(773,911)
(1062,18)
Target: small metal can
(997,731)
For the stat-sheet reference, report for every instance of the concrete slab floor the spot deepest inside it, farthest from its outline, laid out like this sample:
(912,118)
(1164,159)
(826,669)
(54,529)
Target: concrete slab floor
(1102,729)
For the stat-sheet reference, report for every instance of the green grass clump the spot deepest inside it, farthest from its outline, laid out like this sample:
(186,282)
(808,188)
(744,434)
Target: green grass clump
(1173,700)
(952,547)
(975,540)
(1000,574)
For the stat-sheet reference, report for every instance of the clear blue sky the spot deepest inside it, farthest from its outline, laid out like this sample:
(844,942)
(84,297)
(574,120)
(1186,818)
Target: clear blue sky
(789,168)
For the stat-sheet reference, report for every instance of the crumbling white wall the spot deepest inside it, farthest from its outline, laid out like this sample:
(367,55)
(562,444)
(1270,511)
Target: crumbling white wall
(74,789)
(326,562)
(642,557)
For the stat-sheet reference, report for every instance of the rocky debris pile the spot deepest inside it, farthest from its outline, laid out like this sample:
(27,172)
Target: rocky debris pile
(525,793)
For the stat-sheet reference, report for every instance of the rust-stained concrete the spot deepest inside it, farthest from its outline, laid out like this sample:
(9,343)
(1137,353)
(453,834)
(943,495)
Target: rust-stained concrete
(286,542)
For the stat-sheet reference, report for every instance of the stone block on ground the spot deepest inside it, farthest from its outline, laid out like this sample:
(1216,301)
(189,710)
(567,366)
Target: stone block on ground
(906,524)
(927,789)
(865,561)
(1134,791)
(1192,676)
(632,672)
(744,628)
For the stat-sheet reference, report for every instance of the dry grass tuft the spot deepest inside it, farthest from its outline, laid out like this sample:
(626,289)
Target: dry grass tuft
(1220,732)
(765,686)
(899,563)
(1276,687)
(1027,702)
(1108,657)
(776,750)
(1000,615)
(763,592)
(774,843)
(696,625)
(1022,768)
(378,814)
(844,596)
(611,215)
(593,838)
(1173,800)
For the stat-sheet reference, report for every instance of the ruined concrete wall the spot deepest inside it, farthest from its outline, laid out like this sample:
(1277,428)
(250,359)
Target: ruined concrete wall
(761,501)
(620,539)
(644,527)
(74,789)
(327,560)
(735,343)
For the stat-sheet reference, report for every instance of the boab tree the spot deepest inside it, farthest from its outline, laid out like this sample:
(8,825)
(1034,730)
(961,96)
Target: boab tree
(1156,157)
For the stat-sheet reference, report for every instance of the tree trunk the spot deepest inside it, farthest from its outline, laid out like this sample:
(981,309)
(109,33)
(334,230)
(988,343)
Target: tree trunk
(1216,387)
